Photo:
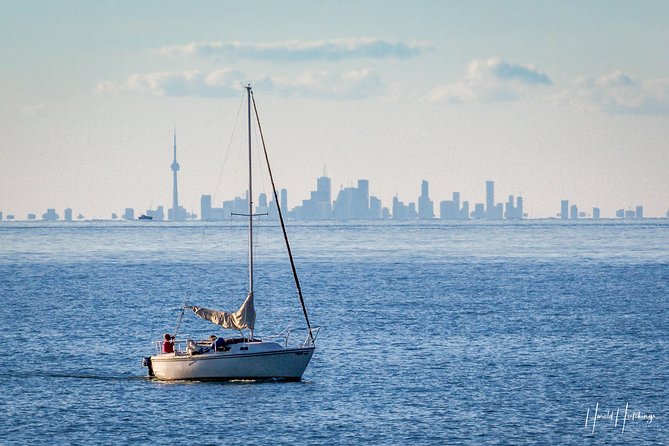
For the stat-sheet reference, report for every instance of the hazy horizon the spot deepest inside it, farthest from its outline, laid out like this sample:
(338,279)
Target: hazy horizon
(551,101)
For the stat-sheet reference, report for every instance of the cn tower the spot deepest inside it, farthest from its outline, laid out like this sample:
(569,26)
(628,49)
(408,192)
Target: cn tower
(175,192)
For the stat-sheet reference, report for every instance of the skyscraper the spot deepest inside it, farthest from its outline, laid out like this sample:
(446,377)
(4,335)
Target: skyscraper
(319,205)
(205,207)
(456,201)
(451,209)
(490,199)
(425,205)
(514,211)
(50,215)
(573,212)
(375,208)
(324,189)
(360,204)
(284,201)
(564,209)
(176,213)
(175,191)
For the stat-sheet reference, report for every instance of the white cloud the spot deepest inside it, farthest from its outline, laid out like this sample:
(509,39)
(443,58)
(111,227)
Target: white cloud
(351,85)
(184,83)
(221,83)
(491,80)
(300,50)
(33,109)
(619,92)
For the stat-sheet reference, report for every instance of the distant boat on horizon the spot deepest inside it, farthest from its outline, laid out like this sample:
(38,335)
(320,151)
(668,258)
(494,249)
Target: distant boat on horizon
(145,217)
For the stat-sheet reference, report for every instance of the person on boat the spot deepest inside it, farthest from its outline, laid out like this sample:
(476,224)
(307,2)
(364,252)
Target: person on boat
(218,344)
(168,343)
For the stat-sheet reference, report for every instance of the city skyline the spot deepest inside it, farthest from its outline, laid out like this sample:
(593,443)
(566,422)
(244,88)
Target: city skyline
(354,203)
(551,100)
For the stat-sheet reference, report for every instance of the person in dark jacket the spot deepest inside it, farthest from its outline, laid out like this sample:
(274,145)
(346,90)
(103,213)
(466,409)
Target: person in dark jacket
(218,344)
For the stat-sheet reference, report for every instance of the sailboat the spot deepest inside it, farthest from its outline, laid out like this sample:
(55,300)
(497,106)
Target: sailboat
(245,356)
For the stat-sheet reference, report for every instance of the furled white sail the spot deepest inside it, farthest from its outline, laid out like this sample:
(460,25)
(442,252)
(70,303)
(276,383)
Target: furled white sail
(245,317)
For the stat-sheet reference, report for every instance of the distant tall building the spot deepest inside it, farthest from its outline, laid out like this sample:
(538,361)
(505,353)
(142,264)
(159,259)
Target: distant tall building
(451,210)
(498,212)
(129,214)
(240,205)
(273,212)
(175,190)
(411,211)
(210,213)
(445,209)
(514,210)
(176,213)
(352,202)
(361,200)
(324,189)
(67,215)
(0,216)
(50,215)
(375,208)
(205,207)
(284,201)
(402,211)
(464,211)
(490,199)
(158,214)
(344,207)
(385,213)
(397,206)
(479,211)
(262,207)
(595,213)
(456,203)
(573,212)
(319,205)
(425,205)
(564,209)
(639,213)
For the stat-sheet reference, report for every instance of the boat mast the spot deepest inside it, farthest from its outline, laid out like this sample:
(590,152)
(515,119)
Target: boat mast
(283,225)
(250,197)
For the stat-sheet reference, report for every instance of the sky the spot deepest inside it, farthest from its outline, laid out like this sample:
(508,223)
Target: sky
(552,100)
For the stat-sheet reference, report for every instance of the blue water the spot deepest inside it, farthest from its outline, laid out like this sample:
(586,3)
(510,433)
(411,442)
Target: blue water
(470,333)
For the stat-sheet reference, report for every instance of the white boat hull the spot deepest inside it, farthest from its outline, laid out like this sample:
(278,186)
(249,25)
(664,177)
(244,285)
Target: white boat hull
(262,360)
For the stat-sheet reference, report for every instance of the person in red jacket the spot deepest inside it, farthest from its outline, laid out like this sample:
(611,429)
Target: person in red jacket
(168,343)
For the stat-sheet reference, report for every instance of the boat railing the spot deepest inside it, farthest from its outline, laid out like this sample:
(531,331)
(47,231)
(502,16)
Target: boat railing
(285,336)
(181,345)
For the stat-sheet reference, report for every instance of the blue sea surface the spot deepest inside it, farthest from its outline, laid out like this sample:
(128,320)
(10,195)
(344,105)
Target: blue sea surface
(470,333)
